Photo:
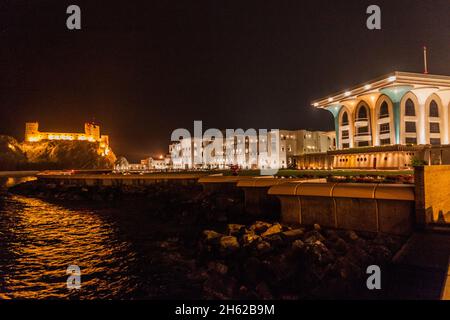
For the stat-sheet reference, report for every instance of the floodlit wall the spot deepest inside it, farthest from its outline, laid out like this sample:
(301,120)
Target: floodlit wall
(356,206)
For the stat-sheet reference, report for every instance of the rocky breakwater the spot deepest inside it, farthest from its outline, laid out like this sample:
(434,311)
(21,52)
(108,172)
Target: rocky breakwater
(180,203)
(273,261)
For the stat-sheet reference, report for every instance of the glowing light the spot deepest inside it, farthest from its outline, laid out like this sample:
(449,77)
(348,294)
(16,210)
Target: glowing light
(367,86)
(392,78)
(330,99)
(316,104)
(347,93)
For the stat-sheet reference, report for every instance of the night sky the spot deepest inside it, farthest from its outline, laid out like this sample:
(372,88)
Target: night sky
(144,68)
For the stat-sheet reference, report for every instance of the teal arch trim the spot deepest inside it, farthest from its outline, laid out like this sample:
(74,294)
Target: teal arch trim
(334,109)
(396,94)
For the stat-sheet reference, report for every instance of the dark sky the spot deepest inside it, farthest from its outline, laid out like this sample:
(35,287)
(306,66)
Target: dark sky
(144,68)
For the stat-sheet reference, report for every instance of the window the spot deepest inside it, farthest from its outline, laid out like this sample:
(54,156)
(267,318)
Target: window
(384,128)
(362,131)
(410,140)
(385,141)
(344,119)
(384,110)
(363,143)
(435,141)
(410,126)
(410,110)
(362,113)
(434,110)
(434,127)
(345,145)
(345,134)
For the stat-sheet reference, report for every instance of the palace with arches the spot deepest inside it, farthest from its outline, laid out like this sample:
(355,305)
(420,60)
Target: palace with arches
(387,122)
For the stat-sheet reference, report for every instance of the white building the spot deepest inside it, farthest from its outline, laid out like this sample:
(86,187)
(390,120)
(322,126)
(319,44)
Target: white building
(389,121)
(275,150)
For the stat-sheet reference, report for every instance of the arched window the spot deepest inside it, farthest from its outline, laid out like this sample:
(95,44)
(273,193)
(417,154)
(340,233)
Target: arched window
(344,119)
(410,110)
(362,113)
(434,109)
(384,110)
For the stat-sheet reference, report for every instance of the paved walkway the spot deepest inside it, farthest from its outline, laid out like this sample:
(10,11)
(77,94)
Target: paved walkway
(421,268)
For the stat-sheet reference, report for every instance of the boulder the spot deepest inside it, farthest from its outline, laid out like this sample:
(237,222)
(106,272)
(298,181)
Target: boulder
(319,253)
(260,226)
(250,238)
(340,246)
(275,229)
(235,229)
(229,244)
(351,235)
(218,267)
(313,236)
(275,240)
(298,245)
(263,247)
(293,234)
(210,236)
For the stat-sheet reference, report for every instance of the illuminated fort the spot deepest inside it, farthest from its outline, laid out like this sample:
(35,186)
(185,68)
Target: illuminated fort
(386,122)
(91,134)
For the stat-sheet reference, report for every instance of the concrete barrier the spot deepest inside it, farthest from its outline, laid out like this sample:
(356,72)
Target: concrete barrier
(356,206)
(432,195)
(257,200)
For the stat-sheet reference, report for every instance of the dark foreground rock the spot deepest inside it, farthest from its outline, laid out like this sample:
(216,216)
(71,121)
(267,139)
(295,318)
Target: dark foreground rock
(266,261)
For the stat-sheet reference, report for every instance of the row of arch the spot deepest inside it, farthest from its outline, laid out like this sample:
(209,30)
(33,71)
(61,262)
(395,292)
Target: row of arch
(420,116)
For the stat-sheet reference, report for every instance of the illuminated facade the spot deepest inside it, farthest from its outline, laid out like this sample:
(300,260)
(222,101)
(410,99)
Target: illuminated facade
(243,150)
(91,134)
(406,110)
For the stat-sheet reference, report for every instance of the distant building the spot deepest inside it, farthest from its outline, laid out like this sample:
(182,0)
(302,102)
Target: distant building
(121,164)
(91,134)
(280,149)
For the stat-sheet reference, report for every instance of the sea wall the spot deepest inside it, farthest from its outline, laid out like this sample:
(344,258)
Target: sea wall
(387,208)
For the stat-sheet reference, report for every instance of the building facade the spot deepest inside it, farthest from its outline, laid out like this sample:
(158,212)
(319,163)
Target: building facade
(276,150)
(402,109)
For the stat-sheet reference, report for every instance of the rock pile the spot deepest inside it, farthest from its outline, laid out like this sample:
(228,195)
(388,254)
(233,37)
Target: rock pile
(269,260)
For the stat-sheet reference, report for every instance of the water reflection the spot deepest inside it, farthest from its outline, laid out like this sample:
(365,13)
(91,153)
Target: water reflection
(39,240)
(7,182)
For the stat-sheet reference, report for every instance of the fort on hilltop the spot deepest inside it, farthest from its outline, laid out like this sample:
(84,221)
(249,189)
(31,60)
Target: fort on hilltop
(91,134)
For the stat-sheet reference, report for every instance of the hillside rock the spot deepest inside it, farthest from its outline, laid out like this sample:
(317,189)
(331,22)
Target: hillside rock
(66,155)
(11,154)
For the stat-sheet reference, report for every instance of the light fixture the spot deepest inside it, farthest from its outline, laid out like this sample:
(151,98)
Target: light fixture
(330,99)
(347,93)
(367,86)
(392,78)
(316,104)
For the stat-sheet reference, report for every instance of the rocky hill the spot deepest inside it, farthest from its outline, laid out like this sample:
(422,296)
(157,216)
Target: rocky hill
(11,154)
(52,155)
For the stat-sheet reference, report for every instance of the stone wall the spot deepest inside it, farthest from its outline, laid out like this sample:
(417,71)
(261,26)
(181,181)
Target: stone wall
(432,194)
(361,207)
